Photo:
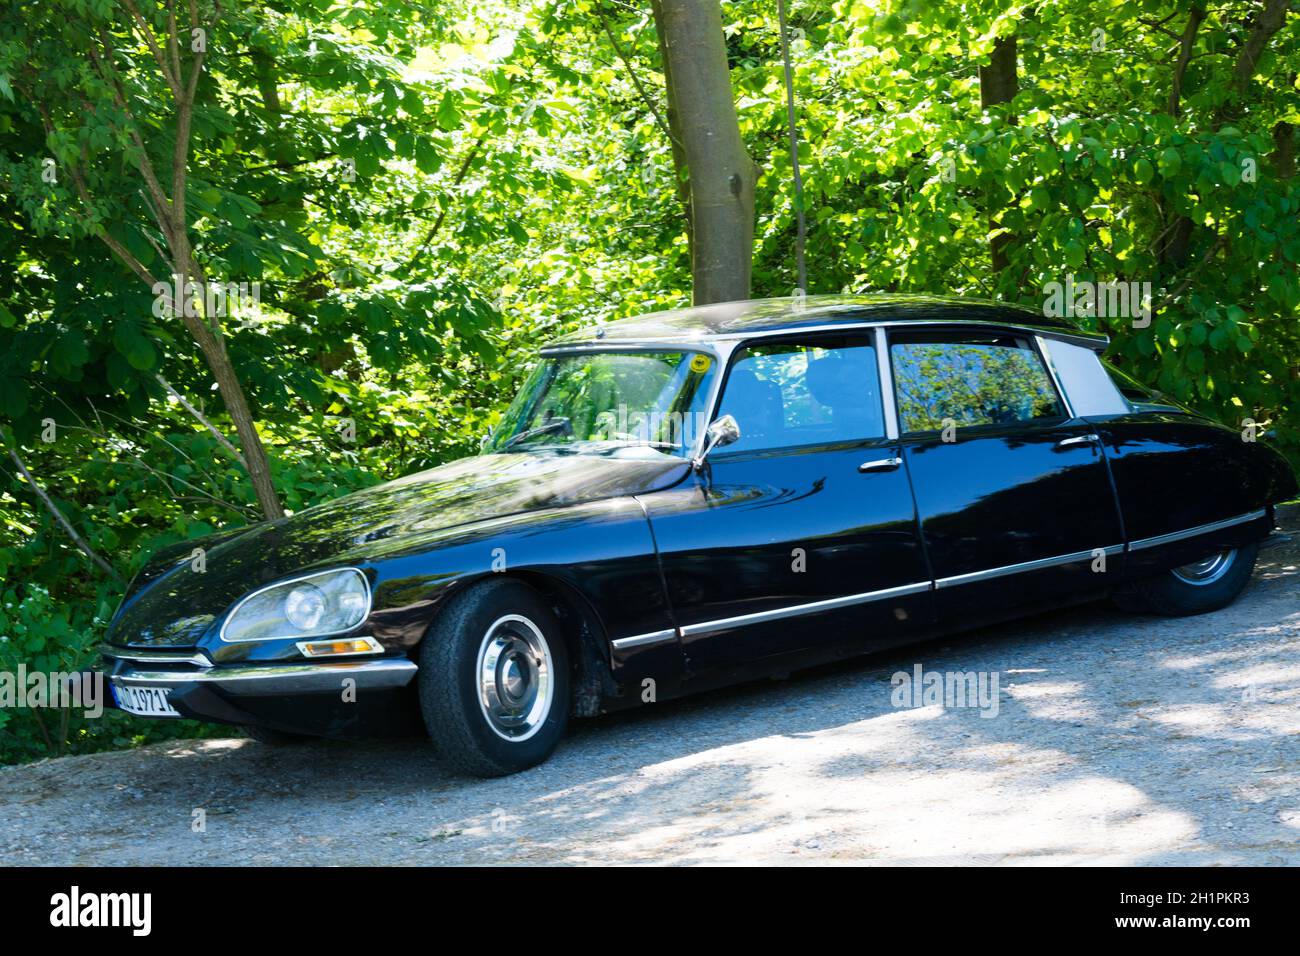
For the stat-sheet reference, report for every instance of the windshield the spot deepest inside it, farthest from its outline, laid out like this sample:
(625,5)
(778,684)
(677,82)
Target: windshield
(605,401)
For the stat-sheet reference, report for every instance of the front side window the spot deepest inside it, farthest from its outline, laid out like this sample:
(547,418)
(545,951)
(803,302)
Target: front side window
(602,402)
(804,393)
(965,380)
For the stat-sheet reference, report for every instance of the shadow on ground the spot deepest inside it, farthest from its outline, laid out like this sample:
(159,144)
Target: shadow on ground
(1118,739)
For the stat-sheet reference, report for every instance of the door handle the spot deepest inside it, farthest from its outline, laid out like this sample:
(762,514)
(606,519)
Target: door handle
(1079,440)
(880,464)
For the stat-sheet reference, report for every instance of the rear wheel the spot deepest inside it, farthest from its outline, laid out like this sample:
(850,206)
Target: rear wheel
(494,680)
(1203,585)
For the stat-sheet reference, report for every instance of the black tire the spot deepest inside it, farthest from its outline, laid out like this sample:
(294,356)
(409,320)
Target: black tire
(457,650)
(275,738)
(1174,595)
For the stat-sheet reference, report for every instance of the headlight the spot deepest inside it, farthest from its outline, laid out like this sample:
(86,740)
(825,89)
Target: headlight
(315,605)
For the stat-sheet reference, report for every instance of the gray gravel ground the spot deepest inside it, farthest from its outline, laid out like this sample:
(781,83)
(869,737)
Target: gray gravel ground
(1118,740)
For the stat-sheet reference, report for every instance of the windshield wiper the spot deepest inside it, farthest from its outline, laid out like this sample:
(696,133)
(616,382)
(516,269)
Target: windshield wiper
(553,425)
(645,443)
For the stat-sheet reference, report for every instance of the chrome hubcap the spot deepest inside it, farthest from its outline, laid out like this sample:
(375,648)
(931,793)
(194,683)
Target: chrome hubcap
(1208,570)
(515,678)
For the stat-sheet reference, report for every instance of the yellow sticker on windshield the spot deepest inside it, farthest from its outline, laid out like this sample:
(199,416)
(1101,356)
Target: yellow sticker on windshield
(700,363)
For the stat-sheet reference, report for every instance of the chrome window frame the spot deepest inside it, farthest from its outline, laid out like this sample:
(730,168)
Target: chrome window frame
(1037,347)
(884,376)
(1045,356)
(721,356)
(723,345)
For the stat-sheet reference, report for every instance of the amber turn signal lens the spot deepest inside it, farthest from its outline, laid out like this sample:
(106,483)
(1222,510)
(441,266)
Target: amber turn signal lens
(356,645)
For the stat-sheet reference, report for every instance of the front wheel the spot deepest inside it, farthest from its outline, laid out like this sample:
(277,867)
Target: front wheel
(494,680)
(1205,585)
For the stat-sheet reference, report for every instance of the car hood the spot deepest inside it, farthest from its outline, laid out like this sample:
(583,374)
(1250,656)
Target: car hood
(177,607)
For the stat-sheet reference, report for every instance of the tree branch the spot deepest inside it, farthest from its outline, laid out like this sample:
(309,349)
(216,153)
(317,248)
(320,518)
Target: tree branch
(1185,44)
(161,205)
(1268,22)
(636,80)
(437,223)
(1191,274)
(77,539)
(146,33)
(96,229)
(202,419)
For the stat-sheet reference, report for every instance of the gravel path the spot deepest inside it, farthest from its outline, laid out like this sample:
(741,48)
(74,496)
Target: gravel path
(1118,740)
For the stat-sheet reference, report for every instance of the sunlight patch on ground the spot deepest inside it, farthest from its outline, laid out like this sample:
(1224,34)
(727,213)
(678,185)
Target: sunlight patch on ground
(1053,700)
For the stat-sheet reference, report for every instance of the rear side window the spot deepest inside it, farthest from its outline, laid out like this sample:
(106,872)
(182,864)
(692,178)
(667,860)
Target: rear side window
(1140,397)
(1128,386)
(804,393)
(965,380)
(1080,372)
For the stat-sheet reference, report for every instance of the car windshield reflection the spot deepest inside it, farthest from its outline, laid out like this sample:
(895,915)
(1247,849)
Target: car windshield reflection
(610,402)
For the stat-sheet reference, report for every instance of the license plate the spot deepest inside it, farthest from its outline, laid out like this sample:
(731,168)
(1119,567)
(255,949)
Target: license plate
(144,701)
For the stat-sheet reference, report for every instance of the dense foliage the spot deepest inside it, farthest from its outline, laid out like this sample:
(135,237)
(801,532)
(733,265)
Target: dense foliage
(426,191)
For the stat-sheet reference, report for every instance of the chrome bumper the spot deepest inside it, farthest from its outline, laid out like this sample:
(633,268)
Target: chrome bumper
(141,669)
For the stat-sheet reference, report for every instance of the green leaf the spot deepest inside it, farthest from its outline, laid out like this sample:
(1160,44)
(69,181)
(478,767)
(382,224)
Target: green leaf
(1170,162)
(427,157)
(13,395)
(448,113)
(1075,254)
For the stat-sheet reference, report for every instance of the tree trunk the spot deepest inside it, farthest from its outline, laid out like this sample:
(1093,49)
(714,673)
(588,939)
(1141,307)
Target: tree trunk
(1185,45)
(254,457)
(999,83)
(721,176)
(1174,253)
(681,171)
(1267,23)
(1283,156)
(254,452)
(801,225)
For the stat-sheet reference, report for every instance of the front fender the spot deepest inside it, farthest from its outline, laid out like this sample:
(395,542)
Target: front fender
(602,550)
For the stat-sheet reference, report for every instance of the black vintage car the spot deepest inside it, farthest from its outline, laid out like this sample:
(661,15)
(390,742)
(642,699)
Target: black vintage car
(693,498)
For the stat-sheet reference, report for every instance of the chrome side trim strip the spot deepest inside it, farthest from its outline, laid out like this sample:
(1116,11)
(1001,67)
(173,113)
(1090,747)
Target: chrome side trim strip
(706,627)
(153,657)
(886,376)
(831,604)
(1193,532)
(643,640)
(1026,566)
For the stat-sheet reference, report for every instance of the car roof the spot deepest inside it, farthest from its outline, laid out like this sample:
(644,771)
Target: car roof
(774,316)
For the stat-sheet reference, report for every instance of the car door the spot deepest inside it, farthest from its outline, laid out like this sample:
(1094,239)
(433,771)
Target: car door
(1186,486)
(1013,495)
(803,533)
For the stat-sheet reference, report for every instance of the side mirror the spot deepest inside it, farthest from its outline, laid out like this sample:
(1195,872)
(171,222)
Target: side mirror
(724,431)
